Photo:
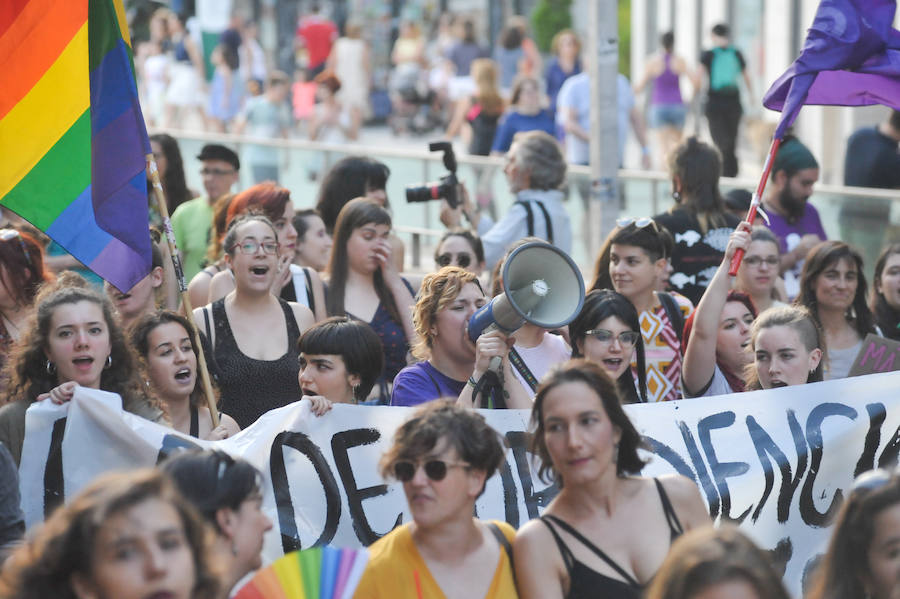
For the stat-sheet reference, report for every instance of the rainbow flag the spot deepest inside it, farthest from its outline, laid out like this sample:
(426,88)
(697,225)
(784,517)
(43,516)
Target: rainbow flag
(72,137)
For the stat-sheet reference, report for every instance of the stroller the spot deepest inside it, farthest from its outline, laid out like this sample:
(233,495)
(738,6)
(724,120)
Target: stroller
(413,102)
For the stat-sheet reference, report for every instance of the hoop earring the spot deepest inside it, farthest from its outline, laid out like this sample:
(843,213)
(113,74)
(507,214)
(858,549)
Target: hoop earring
(51,367)
(356,391)
(108,362)
(676,195)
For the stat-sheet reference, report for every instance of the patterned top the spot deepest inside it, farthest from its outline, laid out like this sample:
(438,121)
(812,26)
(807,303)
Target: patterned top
(662,352)
(251,387)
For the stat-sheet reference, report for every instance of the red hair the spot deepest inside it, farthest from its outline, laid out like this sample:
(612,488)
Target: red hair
(735,381)
(267,198)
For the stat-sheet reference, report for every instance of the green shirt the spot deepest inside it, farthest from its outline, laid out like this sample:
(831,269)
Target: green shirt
(192,223)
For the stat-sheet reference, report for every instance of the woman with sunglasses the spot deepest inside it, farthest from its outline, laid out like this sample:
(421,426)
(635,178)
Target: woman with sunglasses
(717,334)
(758,275)
(450,364)
(21,273)
(698,220)
(607,332)
(250,335)
(292,283)
(227,493)
(443,456)
(462,248)
(611,528)
(363,283)
(863,558)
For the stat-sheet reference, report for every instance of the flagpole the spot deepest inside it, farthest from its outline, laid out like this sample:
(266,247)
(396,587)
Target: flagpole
(757,198)
(182,286)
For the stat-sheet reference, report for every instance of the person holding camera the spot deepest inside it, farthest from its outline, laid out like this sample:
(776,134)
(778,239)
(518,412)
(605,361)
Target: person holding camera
(535,169)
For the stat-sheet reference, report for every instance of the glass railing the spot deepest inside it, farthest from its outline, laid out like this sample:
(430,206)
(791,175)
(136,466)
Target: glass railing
(866,218)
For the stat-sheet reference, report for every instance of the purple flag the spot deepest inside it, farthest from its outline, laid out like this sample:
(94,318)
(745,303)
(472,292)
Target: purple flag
(851,58)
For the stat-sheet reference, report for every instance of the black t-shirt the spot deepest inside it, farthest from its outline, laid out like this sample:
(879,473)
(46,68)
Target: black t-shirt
(872,160)
(697,255)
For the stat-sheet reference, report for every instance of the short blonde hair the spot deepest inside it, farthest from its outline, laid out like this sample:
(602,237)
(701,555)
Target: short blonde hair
(438,290)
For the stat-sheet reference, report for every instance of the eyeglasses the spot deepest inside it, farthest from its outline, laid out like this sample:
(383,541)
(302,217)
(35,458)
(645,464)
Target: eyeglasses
(757,260)
(436,470)
(9,235)
(251,246)
(463,259)
(216,172)
(606,336)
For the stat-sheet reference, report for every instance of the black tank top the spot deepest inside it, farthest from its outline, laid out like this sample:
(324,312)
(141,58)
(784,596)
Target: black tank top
(251,387)
(585,582)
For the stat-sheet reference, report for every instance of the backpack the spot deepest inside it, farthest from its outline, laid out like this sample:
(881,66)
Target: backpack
(673,312)
(725,69)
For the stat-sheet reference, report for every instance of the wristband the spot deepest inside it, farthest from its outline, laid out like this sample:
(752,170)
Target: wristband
(472,383)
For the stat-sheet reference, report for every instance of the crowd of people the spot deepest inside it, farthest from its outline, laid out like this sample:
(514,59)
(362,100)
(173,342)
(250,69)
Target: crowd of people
(312,303)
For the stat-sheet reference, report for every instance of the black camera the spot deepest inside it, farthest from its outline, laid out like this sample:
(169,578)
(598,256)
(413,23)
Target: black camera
(446,188)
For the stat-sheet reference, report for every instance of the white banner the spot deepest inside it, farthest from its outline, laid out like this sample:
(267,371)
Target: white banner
(778,462)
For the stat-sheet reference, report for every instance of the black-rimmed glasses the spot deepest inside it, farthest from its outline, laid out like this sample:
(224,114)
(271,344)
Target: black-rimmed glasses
(251,246)
(436,470)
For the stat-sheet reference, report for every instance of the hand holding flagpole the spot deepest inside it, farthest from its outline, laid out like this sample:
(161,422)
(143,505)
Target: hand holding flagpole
(153,173)
(754,204)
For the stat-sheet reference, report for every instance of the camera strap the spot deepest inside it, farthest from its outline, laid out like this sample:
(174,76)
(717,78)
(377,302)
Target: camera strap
(529,217)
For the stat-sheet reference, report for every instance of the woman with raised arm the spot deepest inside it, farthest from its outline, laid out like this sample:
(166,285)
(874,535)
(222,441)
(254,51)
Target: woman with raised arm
(250,335)
(168,348)
(717,334)
(611,528)
(363,283)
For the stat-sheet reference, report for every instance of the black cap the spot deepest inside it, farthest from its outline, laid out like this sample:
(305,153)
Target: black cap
(738,199)
(217,152)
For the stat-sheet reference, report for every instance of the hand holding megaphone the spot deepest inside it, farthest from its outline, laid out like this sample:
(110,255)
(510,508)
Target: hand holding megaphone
(491,347)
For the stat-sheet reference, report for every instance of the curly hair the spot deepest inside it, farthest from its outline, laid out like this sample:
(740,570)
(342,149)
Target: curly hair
(598,380)
(476,443)
(438,290)
(64,546)
(23,260)
(27,366)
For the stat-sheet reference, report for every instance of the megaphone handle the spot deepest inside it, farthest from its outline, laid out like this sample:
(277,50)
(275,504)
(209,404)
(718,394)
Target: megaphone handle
(495,365)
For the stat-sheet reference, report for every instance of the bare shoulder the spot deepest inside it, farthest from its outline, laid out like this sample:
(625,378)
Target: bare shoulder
(540,571)
(303,315)
(230,423)
(686,500)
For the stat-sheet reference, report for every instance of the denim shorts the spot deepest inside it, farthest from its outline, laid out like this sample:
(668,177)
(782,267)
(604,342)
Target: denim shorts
(667,115)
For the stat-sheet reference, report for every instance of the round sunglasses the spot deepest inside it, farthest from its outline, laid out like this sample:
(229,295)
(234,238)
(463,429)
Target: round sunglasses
(436,470)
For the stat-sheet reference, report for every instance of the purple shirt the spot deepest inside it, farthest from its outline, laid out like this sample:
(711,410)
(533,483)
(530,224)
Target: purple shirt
(422,382)
(789,236)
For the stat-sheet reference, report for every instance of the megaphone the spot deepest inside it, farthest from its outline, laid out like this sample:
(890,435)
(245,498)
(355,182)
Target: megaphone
(541,285)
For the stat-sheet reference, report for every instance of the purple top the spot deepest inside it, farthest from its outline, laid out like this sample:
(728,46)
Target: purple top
(423,382)
(665,87)
(789,234)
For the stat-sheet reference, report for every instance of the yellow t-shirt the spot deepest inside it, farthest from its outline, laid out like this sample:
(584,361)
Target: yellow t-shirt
(394,562)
